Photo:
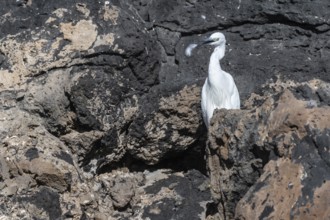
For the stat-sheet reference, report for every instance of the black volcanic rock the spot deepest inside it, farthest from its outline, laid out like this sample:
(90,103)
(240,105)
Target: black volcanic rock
(188,201)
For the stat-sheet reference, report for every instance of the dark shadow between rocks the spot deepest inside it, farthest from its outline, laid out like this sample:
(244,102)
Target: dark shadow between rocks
(261,153)
(192,158)
(211,209)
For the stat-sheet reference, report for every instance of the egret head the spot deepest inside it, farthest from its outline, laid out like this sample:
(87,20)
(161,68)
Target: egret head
(216,39)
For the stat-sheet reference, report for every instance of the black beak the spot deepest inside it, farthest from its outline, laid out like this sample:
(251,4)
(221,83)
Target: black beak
(206,41)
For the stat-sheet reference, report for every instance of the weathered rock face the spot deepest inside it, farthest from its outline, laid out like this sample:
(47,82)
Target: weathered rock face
(80,96)
(168,131)
(95,96)
(273,155)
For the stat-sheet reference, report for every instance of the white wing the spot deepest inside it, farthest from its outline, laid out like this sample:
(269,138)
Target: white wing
(232,93)
(235,100)
(204,104)
(212,98)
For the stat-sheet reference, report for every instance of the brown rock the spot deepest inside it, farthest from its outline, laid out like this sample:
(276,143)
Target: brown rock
(277,192)
(47,174)
(277,189)
(278,148)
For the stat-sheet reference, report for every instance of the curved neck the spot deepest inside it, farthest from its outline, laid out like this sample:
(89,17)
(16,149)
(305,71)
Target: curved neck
(214,66)
(219,51)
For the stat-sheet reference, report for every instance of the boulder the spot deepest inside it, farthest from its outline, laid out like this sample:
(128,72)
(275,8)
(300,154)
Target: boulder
(270,160)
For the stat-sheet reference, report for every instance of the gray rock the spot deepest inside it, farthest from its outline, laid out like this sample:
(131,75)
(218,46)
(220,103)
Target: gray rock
(122,190)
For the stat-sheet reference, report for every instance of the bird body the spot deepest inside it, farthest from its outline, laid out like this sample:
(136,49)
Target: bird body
(219,90)
(214,97)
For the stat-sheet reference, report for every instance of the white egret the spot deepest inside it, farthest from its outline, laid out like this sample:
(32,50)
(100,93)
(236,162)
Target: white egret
(219,90)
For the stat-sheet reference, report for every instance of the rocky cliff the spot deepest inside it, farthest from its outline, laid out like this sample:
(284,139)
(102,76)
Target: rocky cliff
(100,110)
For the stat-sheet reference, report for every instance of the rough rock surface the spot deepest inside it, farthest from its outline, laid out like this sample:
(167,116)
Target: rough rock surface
(272,159)
(100,110)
